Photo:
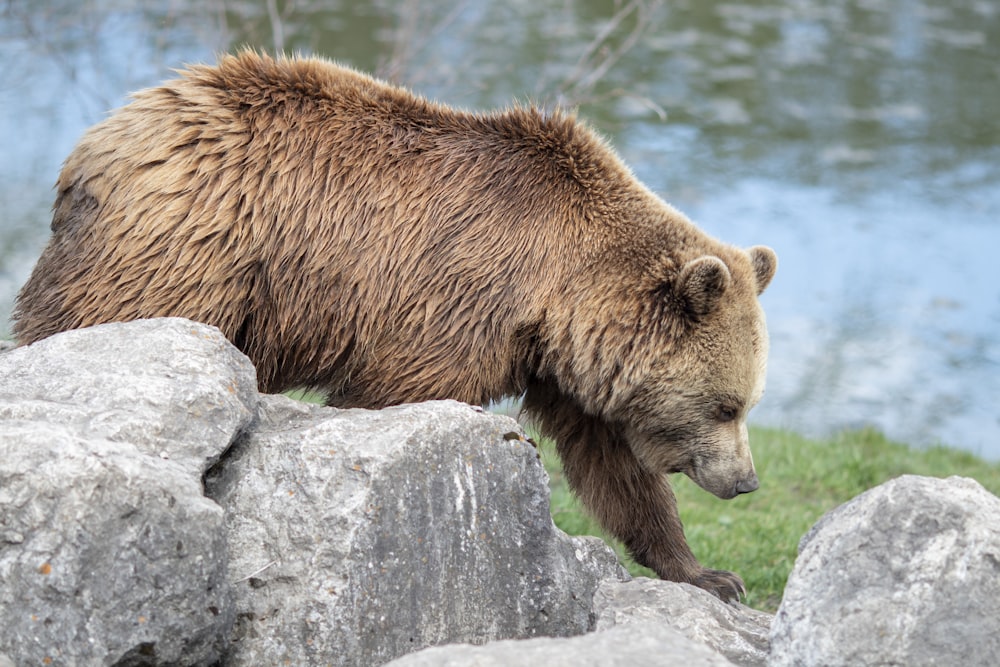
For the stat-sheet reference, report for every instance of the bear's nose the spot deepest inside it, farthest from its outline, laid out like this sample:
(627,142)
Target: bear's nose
(747,485)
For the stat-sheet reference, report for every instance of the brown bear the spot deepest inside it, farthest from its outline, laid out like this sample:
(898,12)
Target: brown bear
(351,236)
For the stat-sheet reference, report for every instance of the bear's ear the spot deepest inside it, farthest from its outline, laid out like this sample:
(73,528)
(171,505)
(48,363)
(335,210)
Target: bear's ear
(765,263)
(701,284)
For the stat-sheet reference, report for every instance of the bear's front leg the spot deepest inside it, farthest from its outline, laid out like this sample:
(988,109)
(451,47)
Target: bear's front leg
(636,506)
(640,509)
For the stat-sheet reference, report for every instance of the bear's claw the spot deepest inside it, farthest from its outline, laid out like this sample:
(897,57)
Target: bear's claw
(728,586)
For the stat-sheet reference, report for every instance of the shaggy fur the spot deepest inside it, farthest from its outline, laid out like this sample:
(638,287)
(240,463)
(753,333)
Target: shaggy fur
(350,236)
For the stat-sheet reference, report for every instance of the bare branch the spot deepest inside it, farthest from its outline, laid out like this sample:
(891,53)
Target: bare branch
(411,38)
(598,57)
(599,41)
(277,28)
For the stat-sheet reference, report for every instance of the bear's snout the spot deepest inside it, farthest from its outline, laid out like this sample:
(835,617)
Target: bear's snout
(747,485)
(725,484)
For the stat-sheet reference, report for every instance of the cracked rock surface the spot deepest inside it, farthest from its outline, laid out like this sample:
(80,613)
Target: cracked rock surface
(358,536)
(109,551)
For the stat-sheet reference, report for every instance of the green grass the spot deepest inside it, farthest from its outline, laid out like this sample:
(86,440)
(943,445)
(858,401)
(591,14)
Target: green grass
(757,535)
(306,396)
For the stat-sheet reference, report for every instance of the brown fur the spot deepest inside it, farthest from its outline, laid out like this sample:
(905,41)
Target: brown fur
(350,236)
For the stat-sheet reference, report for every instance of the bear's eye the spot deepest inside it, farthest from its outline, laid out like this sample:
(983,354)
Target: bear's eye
(726,413)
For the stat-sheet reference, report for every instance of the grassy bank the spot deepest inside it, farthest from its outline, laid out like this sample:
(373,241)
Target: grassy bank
(757,534)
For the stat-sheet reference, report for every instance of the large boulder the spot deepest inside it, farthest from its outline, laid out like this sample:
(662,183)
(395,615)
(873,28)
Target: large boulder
(641,643)
(326,537)
(736,631)
(109,551)
(907,573)
(358,536)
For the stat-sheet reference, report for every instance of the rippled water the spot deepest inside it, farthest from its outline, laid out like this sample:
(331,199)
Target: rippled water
(860,139)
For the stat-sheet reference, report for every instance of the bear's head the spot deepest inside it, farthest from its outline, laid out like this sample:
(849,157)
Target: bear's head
(673,355)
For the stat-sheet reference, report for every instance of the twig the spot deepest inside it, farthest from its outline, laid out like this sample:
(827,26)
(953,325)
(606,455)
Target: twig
(255,573)
(409,40)
(277,29)
(589,69)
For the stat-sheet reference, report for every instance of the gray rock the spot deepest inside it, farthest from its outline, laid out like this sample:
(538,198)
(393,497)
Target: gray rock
(907,573)
(647,644)
(736,631)
(358,536)
(109,551)
(174,388)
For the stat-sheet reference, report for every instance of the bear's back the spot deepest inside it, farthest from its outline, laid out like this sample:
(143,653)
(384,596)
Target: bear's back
(315,214)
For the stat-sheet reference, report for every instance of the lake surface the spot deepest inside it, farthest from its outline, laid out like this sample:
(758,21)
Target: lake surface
(860,139)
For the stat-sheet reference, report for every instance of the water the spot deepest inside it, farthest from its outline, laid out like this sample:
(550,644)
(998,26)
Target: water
(860,139)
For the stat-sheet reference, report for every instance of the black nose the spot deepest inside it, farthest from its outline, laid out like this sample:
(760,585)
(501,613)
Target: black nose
(747,485)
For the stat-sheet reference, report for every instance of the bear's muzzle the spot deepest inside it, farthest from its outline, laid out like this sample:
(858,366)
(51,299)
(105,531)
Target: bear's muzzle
(747,485)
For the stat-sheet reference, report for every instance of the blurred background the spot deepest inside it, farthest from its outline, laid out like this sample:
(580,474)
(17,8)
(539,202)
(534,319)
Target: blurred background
(859,138)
